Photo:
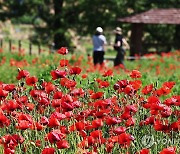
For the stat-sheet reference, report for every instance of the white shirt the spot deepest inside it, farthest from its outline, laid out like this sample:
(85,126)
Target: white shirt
(99,41)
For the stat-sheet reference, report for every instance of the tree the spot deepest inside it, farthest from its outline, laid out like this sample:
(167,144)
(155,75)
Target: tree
(49,12)
(53,18)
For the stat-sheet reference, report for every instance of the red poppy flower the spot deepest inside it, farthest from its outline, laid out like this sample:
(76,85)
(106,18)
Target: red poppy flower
(108,73)
(43,101)
(56,103)
(30,81)
(119,130)
(3,93)
(97,95)
(23,124)
(169,150)
(83,133)
(125,139)
(38,93)
(56,74)
(38,143)
(53,122)
(103,84)
(113,139)
(112,120)
(90,140)
(29,106)
(11,105)
(55,136)
(58,116)
(58,95)
(26,117)
(144,151)
(103,112)
(67,83)
(131,108)
(38,126)
(78,92)
(80,126)
(75,70)
(166,111)
(130,122)
(4,121)
(116,86)
(147,89)
(129,90)
(49,87)
(44,120)
(67,106)
(22,74)
(10,142)
(136,84)
(84,76)
(96,133)
(153,100)
(163,91)
(101,104)
(123,83)
(63,62)
(135,74)
(64,130)
(63,51)
(170,101)
(109,147)
(97,123)
(9,151)
(63,144)
(126,115)
(48,151)
(9,87)
(175,126)
(169,84)
(69,114)
(159,126)
(150,120)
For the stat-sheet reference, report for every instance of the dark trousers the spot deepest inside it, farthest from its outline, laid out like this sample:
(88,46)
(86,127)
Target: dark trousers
(98,57)
(119,57)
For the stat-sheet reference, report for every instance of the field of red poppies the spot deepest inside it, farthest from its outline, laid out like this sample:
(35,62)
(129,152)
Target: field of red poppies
(63,104)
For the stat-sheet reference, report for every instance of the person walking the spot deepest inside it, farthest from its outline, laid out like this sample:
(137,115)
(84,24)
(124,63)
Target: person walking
(118,46)
(99,40)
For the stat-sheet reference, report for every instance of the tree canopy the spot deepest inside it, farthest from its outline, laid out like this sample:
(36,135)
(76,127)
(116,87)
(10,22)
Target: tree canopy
(53,18)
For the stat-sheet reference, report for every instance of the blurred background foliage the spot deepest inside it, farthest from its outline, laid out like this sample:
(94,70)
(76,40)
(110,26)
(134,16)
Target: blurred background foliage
(53,20)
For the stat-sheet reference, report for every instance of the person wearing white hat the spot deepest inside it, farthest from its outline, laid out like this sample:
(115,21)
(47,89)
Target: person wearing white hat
(118,46)
(99,40)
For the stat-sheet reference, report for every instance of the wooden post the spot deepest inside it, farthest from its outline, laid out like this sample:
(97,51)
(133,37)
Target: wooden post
(177,37)
(39,49)
(30,48)
(136,40)
(1,44)
(10,45)
(19,45)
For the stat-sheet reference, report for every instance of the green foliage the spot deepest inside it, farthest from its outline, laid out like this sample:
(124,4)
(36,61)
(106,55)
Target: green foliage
(53,18)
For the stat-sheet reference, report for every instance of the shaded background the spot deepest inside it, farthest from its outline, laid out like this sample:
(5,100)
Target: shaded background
(65,22)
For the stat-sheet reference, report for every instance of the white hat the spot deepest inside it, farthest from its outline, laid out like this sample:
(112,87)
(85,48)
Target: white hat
(99,29)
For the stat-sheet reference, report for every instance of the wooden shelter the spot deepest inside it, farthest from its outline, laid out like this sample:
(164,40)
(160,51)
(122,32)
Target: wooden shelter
(153,16)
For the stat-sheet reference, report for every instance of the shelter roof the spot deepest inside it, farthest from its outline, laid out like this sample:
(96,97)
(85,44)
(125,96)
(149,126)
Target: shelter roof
(155,16)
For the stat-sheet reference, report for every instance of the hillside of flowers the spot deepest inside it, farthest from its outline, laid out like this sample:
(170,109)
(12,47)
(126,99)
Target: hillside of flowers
(63,105)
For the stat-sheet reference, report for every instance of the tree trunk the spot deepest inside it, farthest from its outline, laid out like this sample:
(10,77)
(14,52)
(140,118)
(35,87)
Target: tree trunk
(59,36)
(177,37)
(136,40)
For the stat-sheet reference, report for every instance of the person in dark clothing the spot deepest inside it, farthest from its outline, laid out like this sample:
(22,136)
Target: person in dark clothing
(99,40)
(118,46)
